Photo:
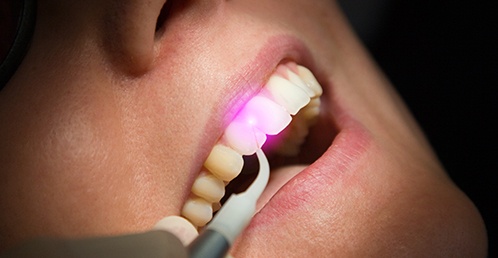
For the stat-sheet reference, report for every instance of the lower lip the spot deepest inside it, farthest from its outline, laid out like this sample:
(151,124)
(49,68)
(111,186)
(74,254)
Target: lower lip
(337,163)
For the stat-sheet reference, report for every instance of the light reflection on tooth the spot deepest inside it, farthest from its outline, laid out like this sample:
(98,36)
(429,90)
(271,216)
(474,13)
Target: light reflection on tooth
(310,80)
(287,94)
(209,187)
(244,138)
(198,211)
(224,162)
(264,114)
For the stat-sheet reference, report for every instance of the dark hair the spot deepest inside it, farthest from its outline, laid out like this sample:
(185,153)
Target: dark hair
(16,26)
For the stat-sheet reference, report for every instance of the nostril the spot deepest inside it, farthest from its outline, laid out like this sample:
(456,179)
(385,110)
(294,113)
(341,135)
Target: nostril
(163,15)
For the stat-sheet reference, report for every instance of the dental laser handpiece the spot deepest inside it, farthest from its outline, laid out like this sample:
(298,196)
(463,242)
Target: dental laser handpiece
(232,218)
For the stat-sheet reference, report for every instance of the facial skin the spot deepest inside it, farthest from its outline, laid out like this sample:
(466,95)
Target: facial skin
(107,123)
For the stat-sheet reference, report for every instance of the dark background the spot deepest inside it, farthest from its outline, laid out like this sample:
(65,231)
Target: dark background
(442,56)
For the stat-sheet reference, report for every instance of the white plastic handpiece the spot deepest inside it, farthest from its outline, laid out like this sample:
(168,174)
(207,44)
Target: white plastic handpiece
(238,210)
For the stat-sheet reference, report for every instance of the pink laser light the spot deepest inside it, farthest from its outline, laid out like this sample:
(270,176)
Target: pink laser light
(259,117)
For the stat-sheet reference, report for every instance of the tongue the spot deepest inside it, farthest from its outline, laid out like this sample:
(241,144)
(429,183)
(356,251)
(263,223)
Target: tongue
(278,178)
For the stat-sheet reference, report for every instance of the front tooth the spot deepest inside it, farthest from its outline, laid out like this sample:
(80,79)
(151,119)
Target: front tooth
(310,80)
(243,138)
(296,132)
(287,94)
(224,162)
(198,211)
(265,115)
(294,78)
(209,187)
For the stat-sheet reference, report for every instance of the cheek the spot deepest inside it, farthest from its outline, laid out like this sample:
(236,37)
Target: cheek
(68,173)
(80,140)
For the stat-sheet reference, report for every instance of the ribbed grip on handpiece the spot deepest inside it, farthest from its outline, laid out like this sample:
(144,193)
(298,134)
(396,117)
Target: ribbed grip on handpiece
(209,244)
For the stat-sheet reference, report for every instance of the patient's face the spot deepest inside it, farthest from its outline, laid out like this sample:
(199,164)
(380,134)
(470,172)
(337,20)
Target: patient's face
(117,118)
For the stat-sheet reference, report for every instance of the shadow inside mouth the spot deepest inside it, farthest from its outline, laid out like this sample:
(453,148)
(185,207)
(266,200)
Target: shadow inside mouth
(246,177)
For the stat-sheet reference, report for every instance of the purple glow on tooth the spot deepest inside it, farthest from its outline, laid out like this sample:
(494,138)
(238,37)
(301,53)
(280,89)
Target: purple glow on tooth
(259,117)
(244,138)
(264,114)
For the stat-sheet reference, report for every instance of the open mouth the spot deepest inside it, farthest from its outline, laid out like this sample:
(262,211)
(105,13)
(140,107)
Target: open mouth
(278,120)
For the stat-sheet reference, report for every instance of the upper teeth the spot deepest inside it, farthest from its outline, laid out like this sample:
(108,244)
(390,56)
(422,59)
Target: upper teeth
(269,112)
(287,94)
